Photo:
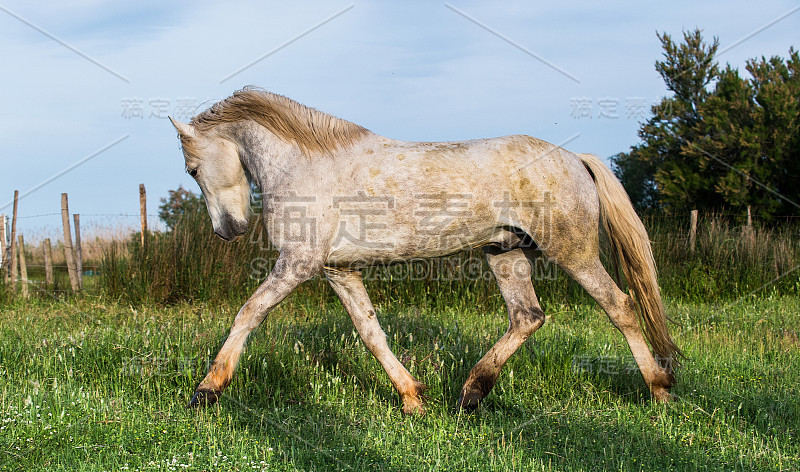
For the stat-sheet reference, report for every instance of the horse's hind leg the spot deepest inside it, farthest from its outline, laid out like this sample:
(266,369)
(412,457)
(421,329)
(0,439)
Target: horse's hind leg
(512,270)
(621,311)
(350,288)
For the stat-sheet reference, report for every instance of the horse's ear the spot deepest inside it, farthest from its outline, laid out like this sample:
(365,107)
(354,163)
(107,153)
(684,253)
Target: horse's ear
(184,129)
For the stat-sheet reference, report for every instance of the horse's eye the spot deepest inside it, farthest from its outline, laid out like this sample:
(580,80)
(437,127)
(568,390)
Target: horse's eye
(192,172)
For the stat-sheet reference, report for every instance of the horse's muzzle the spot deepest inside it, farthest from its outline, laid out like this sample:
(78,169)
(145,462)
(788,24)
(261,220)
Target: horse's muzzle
(231,229)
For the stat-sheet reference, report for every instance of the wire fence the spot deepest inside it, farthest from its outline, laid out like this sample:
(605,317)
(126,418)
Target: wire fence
(49,250)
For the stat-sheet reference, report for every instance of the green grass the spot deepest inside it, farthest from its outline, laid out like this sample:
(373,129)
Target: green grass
(88,384)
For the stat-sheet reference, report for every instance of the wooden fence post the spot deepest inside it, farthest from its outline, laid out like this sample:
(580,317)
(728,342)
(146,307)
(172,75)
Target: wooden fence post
(78,252)
(23,267)
(692,231)
(3,264)
(12,274)
(69,255)
(143,212)
(48,263)
(749,218)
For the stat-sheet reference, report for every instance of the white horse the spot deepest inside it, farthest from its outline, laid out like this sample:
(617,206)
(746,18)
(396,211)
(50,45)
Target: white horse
(338,198)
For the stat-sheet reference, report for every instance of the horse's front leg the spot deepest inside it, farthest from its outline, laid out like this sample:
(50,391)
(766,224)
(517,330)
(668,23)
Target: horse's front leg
(350,288)
(290,271)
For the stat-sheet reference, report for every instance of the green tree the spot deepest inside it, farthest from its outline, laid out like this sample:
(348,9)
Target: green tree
(637,175)
(656,172)
(180,202)
(751,131)
(720,140)
(723,141)
(776,87)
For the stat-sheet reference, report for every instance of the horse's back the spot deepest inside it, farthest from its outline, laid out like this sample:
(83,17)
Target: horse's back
(399,200)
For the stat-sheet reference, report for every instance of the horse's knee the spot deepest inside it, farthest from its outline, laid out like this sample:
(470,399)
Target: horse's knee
(527,319)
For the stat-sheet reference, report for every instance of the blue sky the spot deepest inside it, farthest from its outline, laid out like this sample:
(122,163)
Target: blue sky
(81,77)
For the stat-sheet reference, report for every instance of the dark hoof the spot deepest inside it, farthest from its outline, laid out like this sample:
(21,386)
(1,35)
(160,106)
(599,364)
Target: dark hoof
(203,398)
(469,401)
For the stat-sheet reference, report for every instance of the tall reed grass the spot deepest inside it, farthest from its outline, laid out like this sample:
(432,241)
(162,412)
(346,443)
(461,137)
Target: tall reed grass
(191,263)
(186,263)
(728,260)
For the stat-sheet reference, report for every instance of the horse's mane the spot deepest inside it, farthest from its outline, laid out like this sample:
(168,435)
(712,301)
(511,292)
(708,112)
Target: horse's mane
(313,131)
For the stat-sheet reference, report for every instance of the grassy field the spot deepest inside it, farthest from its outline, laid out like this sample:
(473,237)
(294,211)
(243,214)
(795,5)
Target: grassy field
(89,384)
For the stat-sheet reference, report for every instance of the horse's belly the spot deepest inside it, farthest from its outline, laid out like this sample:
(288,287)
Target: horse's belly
(383,245)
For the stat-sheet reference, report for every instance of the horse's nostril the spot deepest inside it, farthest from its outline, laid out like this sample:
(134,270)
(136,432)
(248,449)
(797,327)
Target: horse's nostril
(222,233)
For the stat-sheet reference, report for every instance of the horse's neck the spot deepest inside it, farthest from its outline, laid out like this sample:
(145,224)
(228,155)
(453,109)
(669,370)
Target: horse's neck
(265,157)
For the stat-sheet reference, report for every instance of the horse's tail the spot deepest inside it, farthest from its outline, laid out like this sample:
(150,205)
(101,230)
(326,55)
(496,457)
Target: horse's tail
(630,247)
